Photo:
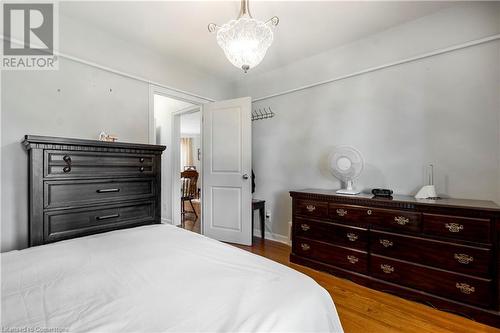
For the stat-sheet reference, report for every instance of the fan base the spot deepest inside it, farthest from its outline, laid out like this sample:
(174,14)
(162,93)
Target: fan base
(346,191)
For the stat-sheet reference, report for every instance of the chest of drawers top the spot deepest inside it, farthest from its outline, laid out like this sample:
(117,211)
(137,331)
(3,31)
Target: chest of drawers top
(81,187)
(82,145)
(397,201)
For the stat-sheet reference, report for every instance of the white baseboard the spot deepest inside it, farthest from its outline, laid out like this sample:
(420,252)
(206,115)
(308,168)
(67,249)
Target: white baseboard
(272,236)
(165,220)
(268,235)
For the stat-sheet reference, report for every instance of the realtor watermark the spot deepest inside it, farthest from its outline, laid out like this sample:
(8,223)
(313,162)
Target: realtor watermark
(34,329)
(30,36)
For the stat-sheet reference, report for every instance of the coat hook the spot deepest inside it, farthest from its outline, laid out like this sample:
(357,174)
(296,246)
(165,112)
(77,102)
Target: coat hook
(262,113)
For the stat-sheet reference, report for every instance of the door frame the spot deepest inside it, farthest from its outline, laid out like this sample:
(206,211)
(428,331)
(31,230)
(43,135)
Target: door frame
(176,160)
(197,101)
(157,90)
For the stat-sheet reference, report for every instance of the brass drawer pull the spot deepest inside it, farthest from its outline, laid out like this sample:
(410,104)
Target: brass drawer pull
(465,288)
(310,208)
(141,159)
(105,217)
(369,212)
(352,237)
(401,220)
(305,227)
(67,159)
(341,212)
(386,243)
(352,259)
(305,247)
(463,258)
(387,269)
(141,169)
(66,169)
(454,227)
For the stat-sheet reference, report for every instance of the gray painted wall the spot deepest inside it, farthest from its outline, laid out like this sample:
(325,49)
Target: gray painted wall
(86,41)
(32,104)
(442,110)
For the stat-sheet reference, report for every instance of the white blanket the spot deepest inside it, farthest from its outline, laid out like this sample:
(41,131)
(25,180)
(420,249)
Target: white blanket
(154,279)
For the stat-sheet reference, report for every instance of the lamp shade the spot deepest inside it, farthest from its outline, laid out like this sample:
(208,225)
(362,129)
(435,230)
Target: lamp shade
(245,41)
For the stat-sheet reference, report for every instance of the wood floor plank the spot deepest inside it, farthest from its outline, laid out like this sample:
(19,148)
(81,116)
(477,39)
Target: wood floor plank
(364,310)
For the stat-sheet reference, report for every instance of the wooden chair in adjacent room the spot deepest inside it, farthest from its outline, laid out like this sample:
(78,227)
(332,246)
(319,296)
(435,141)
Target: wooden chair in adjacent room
(189,190)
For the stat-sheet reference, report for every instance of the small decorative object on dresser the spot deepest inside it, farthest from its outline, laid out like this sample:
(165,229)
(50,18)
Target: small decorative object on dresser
(80,187)
(109,138)
(440,252)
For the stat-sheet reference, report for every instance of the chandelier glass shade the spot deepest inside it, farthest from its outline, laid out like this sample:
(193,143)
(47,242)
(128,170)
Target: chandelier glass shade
(245,40)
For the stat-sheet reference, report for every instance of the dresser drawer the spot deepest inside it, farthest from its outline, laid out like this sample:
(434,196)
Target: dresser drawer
(94,164)
(353,215)
(458,227)
(448,256)
(462,288)
(395,220)
(376,217)
(336,234)
(65,193)
(310,208)
(71,223)
(334,255)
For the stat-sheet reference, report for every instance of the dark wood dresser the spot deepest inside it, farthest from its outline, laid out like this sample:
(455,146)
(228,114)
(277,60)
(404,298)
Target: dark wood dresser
(81,187)
(440,252)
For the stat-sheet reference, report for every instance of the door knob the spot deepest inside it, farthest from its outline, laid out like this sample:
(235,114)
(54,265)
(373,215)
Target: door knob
(245,176)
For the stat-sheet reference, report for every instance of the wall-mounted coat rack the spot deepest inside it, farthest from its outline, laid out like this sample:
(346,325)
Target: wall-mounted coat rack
(262,114)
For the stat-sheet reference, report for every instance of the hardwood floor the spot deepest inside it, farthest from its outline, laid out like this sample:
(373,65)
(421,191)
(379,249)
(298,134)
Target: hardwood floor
(365,310)
(192,223)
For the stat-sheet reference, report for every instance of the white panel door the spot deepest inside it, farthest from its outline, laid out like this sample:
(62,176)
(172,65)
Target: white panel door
(227,169)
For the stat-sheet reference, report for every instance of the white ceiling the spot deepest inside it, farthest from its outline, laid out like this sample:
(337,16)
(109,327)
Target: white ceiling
(178,29)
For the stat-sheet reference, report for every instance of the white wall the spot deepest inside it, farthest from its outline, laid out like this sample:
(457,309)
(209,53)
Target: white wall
(196,144)
(191,128)
(442,110)
(82,107)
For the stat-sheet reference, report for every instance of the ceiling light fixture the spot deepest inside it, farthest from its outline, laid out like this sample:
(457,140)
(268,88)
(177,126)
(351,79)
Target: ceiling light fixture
(245,40)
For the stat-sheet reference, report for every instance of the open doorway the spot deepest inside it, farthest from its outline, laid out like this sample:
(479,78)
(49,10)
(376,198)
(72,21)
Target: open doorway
(166,129)
(225,135)
(190,166)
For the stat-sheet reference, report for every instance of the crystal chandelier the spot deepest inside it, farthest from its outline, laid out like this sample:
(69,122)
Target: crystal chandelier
(245,40)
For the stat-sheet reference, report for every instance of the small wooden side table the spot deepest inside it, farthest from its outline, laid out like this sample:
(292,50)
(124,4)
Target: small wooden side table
(261,206)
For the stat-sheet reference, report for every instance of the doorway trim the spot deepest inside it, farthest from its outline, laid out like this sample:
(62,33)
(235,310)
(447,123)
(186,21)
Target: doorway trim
(157,90)
(176,163)
(198,102)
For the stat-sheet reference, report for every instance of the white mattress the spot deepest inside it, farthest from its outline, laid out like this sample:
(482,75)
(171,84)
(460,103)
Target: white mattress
(154,279)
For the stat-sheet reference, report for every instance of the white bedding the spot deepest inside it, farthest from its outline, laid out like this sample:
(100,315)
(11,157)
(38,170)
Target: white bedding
(154,279)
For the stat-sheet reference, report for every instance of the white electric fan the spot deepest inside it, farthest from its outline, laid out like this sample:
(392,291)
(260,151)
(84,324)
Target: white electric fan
(346,163)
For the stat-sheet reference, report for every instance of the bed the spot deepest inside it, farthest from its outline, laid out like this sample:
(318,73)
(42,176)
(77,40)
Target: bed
(158,278)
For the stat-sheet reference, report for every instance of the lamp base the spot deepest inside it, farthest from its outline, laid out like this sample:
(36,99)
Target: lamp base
(427,191)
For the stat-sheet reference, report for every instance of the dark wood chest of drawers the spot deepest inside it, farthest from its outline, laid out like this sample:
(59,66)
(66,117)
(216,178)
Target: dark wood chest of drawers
(440,252)
(81,187)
